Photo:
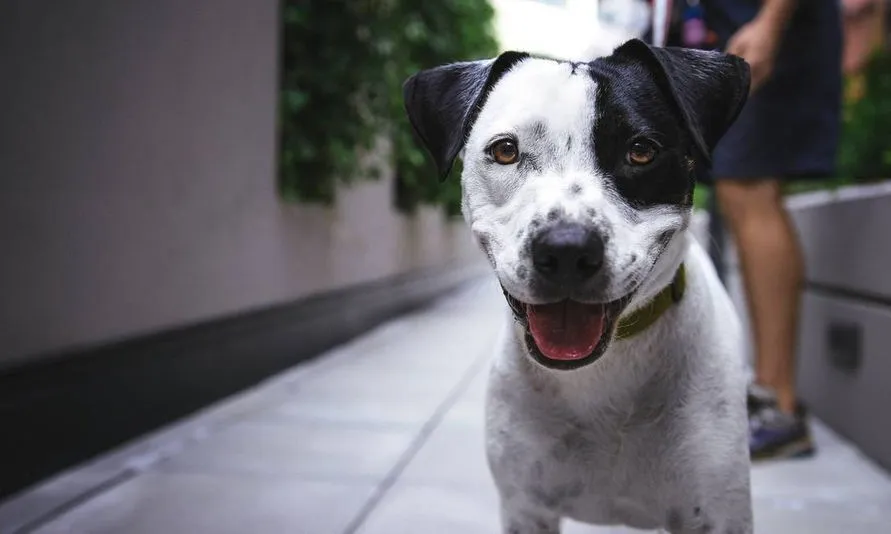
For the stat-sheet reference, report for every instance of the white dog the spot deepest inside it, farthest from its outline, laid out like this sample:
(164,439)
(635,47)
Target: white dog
(620,400)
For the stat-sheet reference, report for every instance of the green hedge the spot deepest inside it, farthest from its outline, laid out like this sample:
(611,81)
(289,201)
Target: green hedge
(344,62)
(865,152)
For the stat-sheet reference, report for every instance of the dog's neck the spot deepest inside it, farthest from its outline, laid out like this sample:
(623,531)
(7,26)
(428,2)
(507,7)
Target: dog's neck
(642,318)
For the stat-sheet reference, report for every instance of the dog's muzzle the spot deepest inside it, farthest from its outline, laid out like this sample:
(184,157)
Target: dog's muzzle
(569,334)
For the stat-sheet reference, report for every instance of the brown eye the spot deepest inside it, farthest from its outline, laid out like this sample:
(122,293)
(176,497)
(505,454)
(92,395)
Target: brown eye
(505,152)
(641,152)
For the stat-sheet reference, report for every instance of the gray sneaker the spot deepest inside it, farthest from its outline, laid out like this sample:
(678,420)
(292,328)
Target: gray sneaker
(774,434)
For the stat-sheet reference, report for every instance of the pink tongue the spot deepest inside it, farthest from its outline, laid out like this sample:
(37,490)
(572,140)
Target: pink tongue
(567,330)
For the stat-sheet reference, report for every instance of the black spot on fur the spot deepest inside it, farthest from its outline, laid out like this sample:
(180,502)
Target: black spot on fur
(532,526)
(529,163)
(543,526)
(553,215)
(539,130)
(569,142)
(703,526)
(661,242)
(535,223)
(540,384)
(592,212)
(522,272)
(570,444)
(558,495)
(575,189)
(675,521)
(543,497)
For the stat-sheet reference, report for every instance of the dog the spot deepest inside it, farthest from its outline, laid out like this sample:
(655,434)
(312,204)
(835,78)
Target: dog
(617,397)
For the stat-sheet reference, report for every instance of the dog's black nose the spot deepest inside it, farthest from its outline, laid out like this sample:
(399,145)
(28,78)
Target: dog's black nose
(567,254)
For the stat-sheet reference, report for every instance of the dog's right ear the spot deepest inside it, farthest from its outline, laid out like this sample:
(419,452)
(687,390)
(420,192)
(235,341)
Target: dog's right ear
(443,102)
(709,88)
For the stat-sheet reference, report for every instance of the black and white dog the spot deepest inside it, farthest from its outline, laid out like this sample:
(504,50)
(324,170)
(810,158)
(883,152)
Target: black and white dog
(619,396)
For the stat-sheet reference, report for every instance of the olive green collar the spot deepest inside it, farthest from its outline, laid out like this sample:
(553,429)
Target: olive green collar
(642,318)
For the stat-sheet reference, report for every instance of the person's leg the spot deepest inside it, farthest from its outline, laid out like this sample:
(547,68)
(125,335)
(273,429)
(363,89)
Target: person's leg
(772,269)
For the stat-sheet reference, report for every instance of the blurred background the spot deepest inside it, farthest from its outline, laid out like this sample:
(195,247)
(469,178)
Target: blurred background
(196,196)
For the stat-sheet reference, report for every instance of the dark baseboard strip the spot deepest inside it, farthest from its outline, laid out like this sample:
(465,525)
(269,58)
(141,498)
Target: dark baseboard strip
(828,290)
(67,408)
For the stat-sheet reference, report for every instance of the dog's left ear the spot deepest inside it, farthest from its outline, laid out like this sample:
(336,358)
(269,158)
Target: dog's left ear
(709,88)
(443,102)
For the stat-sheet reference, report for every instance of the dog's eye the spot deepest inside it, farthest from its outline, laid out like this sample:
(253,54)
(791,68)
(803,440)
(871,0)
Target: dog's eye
(505,151)
(641,152)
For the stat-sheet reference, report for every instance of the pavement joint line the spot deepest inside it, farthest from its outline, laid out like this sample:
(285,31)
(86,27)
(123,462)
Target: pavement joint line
(159,455)
(74,502)
(415,446)
(128,473)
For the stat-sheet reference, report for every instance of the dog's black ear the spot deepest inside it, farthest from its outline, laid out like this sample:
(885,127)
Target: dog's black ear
(709,88)
(442,103)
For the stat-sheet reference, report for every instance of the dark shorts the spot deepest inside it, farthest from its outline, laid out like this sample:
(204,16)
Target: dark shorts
(790,127)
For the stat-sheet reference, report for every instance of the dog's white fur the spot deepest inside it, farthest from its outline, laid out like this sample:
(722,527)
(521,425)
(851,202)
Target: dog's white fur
(651,435)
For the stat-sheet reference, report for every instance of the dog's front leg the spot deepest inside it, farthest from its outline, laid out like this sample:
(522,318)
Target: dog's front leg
(730,516)
(521,520)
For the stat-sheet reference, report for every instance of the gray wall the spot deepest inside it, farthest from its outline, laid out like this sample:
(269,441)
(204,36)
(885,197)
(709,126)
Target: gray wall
(137,177)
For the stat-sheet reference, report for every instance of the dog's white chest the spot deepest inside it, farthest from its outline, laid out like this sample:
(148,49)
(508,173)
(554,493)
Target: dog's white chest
(583,481)
(601,471)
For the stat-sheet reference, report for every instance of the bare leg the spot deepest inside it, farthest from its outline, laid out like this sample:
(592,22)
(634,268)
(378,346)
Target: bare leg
(773,272)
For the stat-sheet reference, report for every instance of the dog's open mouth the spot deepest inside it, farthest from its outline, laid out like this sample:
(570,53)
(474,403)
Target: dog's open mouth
(567,334)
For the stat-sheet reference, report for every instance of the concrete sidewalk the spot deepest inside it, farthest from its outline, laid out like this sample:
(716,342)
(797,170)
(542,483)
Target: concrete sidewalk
(381,436)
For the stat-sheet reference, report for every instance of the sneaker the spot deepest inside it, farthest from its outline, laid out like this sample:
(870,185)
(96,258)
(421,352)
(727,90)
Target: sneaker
(774,434)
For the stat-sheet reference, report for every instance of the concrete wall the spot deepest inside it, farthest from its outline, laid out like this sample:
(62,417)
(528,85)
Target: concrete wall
(137,177)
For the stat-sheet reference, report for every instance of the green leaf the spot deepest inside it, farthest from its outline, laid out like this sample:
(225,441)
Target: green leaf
(343,68)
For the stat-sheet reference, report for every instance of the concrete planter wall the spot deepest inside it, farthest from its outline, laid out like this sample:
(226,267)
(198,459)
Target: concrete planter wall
(844,360)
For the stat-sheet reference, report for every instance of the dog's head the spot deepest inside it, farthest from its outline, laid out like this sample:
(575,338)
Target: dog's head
(578,177)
